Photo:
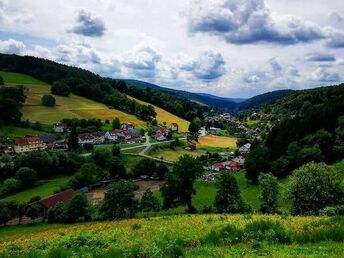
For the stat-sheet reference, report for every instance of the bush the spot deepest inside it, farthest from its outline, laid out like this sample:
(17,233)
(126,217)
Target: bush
(314,187)
(333,210)
(60,88)
(48,100)
(11,185)
(27,177)
(88,146)
(269,193)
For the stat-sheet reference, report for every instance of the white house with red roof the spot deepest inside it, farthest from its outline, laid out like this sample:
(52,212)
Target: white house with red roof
(28,144)
(161,134)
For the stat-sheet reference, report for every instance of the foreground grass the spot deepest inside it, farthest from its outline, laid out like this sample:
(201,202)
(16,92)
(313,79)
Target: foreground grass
(44,189)
(181,236)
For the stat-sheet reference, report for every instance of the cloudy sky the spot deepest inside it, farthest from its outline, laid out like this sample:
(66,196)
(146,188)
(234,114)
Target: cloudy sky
(230,48)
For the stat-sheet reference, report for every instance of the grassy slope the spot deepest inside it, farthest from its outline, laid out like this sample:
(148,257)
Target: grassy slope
(46,188)
(66,107)
(17,132)
(154,236)
(164,116)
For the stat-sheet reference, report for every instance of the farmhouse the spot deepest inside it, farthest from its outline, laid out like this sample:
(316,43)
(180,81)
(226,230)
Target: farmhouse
(86,138)
(51,201)
(245,148)
(218,167)
(160,135)
(60,127)
(99,137)
(214,130)
(174,127)
(240,160)
(234,166)
(49,139)
(127,126)
(28,144)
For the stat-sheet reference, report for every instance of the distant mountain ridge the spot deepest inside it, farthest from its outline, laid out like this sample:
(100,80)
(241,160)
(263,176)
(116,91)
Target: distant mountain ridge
(229,104)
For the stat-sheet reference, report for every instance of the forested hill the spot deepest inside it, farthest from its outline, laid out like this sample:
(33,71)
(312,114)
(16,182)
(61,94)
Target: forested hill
(108,91)
(264,99)
(308,125)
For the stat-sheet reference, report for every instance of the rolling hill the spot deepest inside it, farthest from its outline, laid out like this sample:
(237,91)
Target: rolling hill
(73,106)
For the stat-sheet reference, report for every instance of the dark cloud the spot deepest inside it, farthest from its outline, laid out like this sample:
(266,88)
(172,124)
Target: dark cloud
(275,66)
(88,25)
(336,41)
(250,21)
(208,66)
(320,57)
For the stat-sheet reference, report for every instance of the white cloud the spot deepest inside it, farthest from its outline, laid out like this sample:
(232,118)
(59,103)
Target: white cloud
(12,46)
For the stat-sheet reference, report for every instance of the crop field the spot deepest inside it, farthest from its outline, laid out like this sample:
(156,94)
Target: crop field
(44,189)
(217,141)
(164,116)
(66,107)
(181,236)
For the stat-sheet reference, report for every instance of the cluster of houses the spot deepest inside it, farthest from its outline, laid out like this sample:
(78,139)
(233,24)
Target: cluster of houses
(128,133)
(236,163)
(225,117)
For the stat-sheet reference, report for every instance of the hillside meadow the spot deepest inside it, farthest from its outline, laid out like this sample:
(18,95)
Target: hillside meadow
(75,106)
(180,236)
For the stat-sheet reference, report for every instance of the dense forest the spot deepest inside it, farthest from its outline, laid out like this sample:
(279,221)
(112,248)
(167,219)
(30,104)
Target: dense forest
(310,127)
(11,100)
(109,91)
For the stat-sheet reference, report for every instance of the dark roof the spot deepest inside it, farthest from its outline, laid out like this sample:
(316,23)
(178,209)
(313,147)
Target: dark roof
(51,201)
(98,134)
(48,138)
(86,137)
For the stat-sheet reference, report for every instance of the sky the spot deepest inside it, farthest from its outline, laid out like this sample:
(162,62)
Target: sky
(229,48)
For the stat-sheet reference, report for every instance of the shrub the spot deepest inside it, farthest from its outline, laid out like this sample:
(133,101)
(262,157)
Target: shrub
(48,100)
(269,193)
(60,88)
(10,185)
(27,177)
(333,210)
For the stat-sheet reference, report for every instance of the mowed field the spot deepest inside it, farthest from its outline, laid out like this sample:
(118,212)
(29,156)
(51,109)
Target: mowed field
(66,107)
(164,116)
(217,141)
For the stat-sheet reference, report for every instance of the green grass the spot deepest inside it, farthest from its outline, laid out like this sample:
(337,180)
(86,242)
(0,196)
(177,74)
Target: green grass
(133,151)
(46,188)
(17,78)
(130,161)
(17,132)
(180,236)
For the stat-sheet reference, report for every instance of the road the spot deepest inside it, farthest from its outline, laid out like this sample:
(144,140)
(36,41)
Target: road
(147,146)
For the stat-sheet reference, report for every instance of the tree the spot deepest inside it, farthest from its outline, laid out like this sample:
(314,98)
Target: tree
(149,202)
(161,171)
(145,167)
(73,139)
(116,123)
(116,150)
(1,81)
(195,126)
(228,198)
(119,201)
(60,88)
(5,215)
(32,211)
(117,169)
(178,189)
(78,208)
(10,185)
(256,163)
(87,174)
(102,158)
(27,177)
(48,100)
(314,187)
(58,213)
(269,194)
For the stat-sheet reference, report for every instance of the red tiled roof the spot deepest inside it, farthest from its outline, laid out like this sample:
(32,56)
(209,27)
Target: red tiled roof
(27,140)
(21,142)
(51,201)
(219,165)
(33,139)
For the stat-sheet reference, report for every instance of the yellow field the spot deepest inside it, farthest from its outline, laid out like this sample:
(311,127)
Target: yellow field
(164,116)
(217,141)
(69,107)
(173,155)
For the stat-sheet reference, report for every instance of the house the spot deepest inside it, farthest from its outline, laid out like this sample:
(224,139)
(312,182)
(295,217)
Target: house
(218,167)
(240,159)
(117,134)
(51,201)
(28,144)
(48,139)
(160,135)
(99,137)
(135,133)
(127,126)
(174,127)
(86,138)
(245,148)
(60,145)
(234,166)
(60,127)
(214,130)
